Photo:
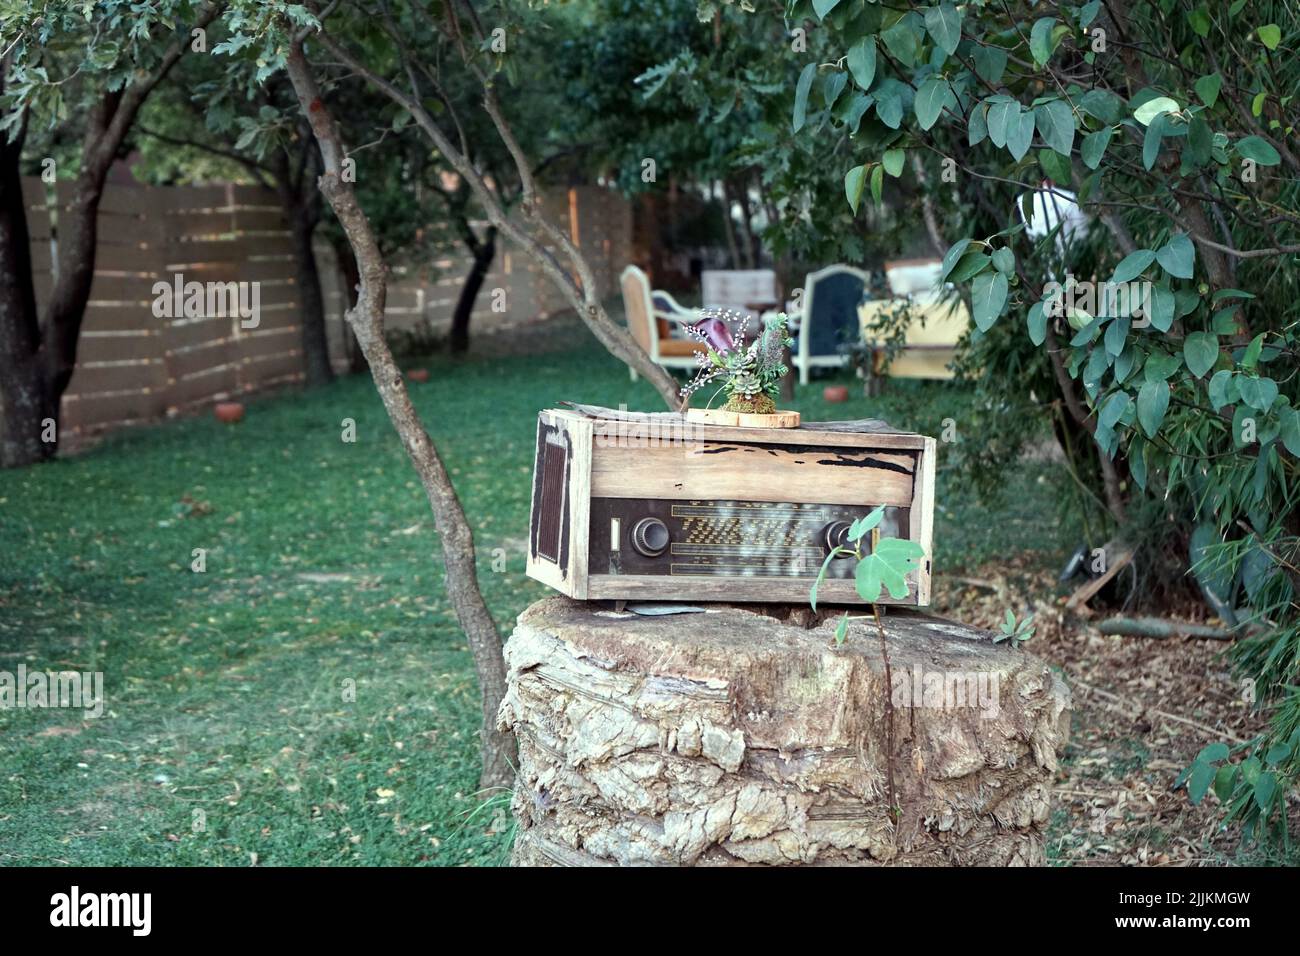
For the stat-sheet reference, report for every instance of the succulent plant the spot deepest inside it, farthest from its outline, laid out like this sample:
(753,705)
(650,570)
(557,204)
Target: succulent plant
(749,372)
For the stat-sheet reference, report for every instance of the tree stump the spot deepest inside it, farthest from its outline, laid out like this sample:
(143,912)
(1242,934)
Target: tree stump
(743,735)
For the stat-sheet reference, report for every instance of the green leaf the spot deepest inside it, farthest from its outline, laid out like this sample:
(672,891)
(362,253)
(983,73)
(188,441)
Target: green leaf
(801,91)
(1154,107)
(1200,21)
(842,629)
(970,265)
(1259,393)
(1211,753)
(934,95)
(1222,389)
(833,86)
(1160,365)
(1040,40)
(1004,260)
(1102,104)
(990,64)
(1019,138)
(1055,166)
(823,7)
(1200,141)
(1003,118)
(889,107)
(944,24)
(1113,410)
(1161,308)
(812,593)
(862,62)
(1094,146)
(978,128)
(1152,140)
(877,182)
(887,566)
(1290,431)
(1270,34)
(1200,780)
(988,296)
(1177,255)
(1250,358)
(1037,323)
(1116,335)
(1207,88)
(1056,125)
(1258,149)
(955,252)
(1223,781)
(854,180)
(901,41)
(1265,788)
(861,526)
(1152,403)
(1133,265)
(893,161)
(1201,351)
(1124,364)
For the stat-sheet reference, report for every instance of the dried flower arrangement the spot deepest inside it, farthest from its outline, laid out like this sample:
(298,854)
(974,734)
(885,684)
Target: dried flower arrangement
(750,374)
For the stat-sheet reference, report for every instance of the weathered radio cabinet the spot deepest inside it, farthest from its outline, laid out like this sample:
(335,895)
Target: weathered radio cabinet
(650,507)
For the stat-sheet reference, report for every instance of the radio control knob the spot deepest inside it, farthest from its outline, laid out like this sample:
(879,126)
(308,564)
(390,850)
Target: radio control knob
(836,535)
(650,537)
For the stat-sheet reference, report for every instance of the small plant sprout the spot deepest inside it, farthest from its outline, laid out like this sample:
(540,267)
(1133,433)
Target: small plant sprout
(1015,632)
(884,567)
(749,374)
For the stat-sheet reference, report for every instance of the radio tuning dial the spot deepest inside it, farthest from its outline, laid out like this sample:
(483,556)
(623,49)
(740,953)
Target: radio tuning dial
(650,537)
(836,535)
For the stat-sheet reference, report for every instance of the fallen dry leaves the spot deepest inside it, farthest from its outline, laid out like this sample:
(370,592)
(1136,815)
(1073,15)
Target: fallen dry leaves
(1143,708)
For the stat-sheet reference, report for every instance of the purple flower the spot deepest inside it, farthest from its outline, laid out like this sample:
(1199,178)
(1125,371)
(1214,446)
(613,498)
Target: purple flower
(716,335)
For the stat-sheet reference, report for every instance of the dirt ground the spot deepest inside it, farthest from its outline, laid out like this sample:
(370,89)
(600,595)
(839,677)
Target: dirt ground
(1143,709)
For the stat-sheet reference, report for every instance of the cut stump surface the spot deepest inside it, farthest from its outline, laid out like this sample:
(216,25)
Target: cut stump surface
(736,736)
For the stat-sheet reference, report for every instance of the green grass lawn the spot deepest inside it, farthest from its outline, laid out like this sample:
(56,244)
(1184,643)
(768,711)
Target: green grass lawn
(226,689)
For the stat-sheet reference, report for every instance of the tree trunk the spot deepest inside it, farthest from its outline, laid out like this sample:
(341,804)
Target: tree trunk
(22,391)
(747,224)
(347,263)
(311,303)
(737,737)
(366,319)
(78,235)
(729,227)
(484,252)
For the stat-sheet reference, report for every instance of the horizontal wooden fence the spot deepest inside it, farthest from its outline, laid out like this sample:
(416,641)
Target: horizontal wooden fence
(134,365)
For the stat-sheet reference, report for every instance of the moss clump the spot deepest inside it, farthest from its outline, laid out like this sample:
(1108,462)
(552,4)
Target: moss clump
(757,405)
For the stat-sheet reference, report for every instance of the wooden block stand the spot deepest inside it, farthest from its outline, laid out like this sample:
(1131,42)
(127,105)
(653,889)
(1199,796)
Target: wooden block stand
(736,737)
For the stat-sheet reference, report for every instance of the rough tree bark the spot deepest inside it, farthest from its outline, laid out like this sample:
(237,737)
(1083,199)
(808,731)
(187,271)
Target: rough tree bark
(366,321)
(483,251)
(347,263)
(21,387)
(735,737)
(301,204)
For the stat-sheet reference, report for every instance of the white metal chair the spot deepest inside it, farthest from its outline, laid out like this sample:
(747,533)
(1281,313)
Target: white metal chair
(651,313)
(740,290)
(828,318)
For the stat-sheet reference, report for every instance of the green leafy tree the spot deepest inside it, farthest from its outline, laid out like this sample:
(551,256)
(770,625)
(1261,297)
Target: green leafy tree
(1173,128)
(91,66)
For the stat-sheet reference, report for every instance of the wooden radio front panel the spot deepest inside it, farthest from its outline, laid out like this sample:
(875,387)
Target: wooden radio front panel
(709,513)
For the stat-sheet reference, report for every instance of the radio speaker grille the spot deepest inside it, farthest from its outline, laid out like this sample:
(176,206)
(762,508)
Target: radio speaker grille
(551,514)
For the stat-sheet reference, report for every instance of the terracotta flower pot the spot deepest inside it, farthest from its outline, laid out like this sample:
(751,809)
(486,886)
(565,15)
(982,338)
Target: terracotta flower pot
(418,374)
(229,412)
(836,393)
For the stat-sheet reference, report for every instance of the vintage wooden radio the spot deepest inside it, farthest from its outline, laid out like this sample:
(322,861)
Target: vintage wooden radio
(631,506)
